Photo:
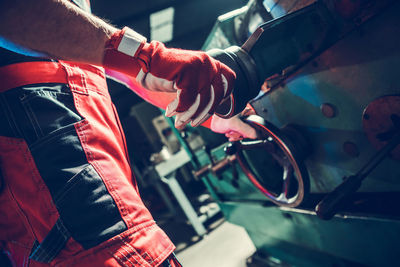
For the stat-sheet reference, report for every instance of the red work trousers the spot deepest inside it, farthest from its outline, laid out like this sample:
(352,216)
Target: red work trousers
(68,195)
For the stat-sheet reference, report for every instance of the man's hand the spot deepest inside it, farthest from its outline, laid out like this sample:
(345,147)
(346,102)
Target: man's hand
(200,82)
(233,128)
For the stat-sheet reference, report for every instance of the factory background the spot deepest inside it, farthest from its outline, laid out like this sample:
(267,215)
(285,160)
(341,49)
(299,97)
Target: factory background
(334,65)
(320,185)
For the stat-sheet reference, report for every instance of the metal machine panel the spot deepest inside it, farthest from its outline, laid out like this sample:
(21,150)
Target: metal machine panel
(343,99)
(299,238)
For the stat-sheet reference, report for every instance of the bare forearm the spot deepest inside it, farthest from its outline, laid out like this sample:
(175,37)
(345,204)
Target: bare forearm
(56,28)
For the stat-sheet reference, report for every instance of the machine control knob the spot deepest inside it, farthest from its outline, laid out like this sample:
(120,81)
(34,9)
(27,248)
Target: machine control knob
(230,149)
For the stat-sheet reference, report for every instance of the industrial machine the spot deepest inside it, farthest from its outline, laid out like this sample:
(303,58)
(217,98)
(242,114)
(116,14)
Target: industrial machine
(321,184)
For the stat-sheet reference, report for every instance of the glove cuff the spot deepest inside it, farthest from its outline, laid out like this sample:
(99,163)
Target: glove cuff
(121,51)
(127,41)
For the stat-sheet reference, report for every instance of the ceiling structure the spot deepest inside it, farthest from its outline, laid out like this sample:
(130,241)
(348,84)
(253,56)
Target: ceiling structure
(189,22)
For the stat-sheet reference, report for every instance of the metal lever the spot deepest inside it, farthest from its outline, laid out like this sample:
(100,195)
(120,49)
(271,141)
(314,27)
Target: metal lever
(332,202)
(215,167)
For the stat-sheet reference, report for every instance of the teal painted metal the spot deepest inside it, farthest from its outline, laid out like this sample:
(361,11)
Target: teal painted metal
(299,238)
(225,31)
(361,67)
(351,74)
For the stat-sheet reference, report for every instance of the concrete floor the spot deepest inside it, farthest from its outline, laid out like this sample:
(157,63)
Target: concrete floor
(224,245)
(227,245)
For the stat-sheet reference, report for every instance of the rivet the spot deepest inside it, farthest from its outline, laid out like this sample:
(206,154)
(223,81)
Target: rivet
(328,110)
(351,149)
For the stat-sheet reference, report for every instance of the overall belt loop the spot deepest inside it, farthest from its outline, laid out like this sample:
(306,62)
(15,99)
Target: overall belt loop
(76,78)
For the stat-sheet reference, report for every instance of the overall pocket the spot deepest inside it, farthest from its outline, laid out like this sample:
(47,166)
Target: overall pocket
(87,209)
(44,110)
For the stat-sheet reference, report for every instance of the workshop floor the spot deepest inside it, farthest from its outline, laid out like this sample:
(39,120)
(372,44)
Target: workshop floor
(224,245)
(227,245)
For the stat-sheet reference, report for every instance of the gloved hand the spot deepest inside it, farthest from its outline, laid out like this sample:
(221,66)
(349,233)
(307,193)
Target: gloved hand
(200,82)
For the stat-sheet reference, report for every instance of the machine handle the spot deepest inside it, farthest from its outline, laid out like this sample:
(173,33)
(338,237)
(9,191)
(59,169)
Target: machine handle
(332,202)
(215,167)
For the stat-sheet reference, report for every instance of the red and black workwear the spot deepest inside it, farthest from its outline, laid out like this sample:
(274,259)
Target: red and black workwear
(68,195)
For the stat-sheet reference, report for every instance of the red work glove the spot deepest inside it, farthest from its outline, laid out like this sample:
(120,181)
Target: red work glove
(200,81)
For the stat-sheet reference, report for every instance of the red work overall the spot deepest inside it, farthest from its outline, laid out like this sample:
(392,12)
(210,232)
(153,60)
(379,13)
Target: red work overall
(68,194)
